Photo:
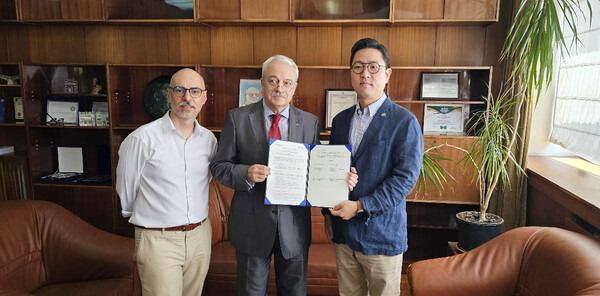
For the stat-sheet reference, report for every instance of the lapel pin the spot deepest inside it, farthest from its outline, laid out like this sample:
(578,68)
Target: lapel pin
(383,115)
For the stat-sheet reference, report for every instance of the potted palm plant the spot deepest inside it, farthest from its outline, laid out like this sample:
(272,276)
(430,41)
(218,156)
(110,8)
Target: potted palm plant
(528,52)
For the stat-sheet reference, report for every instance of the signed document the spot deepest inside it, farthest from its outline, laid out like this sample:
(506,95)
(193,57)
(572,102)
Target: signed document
(307,175)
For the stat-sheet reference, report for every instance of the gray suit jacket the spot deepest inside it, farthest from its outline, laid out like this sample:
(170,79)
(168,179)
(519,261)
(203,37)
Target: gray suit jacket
(252,224)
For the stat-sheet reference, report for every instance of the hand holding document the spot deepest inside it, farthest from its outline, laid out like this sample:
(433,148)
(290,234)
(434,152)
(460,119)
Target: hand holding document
(307,175)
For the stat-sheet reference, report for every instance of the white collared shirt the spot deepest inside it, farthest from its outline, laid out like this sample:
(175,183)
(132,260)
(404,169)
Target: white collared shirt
(162,178)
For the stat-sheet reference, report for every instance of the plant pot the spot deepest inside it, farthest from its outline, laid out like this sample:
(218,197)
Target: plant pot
(472,233)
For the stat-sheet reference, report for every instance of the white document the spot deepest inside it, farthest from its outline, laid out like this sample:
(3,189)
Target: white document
(287,183)
(70,160)
(66,110)
(304,175)
(327,174)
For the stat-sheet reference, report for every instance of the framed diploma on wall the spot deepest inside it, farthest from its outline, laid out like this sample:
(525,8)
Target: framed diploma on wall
(337,100)
(439,86)
(445,119)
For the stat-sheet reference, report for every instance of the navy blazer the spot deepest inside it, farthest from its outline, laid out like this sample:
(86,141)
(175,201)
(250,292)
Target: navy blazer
(387,161)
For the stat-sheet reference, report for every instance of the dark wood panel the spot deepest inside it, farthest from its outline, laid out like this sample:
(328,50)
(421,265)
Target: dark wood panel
(81,10)
(409,9)
(461,187)
(470,9)
(430,228)
(271,40)
(127,88)
(14,178)
(92,204)
(223,92)
(556,204)
(150,9)
(231,45)
(57,44)
(310,94)
(4,42)
(8,10)
(342,9)
(218,10)
(105,44)
(43,156)
(188,44)
(14,136)
(412,46)
(62,9)
(351,34)
(319,46)
(460,45)
(265,10)
(39,9)
(18,43)
(143,44)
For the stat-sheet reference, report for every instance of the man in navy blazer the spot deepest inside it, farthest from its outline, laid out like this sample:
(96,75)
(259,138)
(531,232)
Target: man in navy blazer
(369,230)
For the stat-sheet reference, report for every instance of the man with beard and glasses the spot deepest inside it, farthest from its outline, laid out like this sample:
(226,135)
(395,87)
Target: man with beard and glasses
(162,180)
(256,230)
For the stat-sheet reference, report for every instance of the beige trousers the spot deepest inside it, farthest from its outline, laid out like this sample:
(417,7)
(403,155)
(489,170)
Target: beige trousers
(360,274)
(173,262)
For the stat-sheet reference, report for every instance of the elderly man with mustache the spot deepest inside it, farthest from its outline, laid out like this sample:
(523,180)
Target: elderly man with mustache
(162,180)
(258,231)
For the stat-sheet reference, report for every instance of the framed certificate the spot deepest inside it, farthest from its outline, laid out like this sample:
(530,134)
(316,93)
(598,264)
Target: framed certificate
(62,112)
(445,119)
(337,100)
(439,86)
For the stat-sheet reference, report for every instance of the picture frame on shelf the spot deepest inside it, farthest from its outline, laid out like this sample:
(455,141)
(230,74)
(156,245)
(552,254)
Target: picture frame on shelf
(18,106)
(440,85)
(62,112)
(250,91)
(337,100)
(445,119)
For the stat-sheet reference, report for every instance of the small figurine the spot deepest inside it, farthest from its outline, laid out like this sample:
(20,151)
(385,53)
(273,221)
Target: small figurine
(96,88)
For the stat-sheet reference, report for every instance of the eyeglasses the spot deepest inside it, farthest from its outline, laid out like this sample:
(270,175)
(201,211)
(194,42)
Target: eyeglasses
(179,91)
(373,67)
(274,82)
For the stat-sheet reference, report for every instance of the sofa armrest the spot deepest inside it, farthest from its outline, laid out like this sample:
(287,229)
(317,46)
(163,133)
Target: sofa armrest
(74,250)
(491,269)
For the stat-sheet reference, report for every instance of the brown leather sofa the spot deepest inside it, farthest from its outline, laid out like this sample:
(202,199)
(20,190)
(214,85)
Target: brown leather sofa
(524,261)
(47,250)
(221,278)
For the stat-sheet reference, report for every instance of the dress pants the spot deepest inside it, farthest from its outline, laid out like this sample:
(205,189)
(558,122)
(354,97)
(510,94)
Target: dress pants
(373,275)
(290,274)
(173,262)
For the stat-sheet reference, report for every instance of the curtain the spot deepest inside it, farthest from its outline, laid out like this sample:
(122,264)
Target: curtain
(509,202)
(576,117)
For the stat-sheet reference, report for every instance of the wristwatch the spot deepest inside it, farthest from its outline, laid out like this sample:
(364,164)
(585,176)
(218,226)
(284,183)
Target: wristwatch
(360,213)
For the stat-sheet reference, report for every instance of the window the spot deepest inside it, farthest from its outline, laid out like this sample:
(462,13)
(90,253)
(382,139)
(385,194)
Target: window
(576,117)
